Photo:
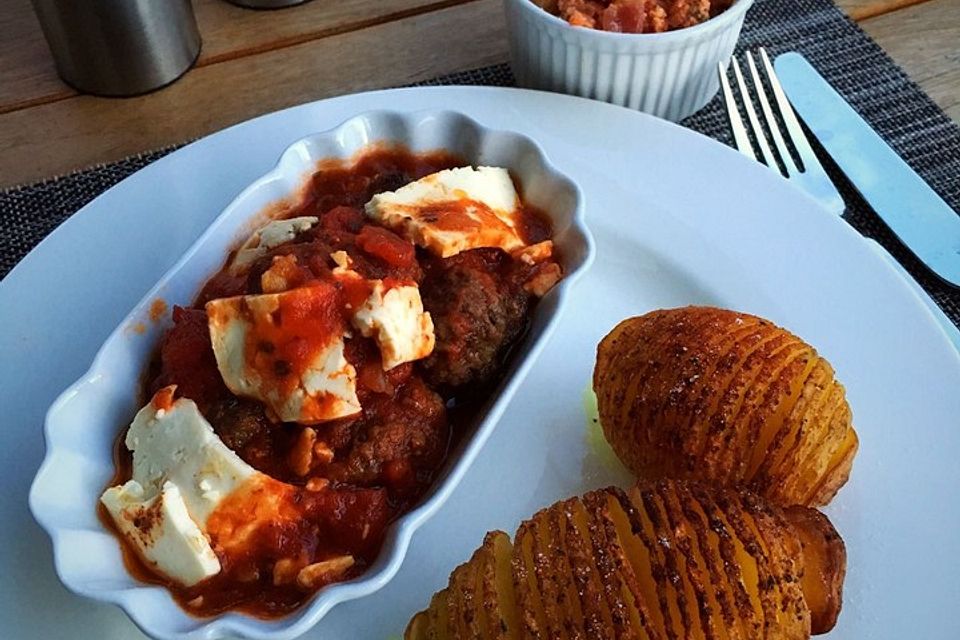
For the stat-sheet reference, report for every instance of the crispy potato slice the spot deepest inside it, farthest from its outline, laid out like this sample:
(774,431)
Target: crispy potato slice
(571,524)
(529,601)
(824,565)
(700,388)
(552,580)
(819,401)
(702,393)
(811,462)
(488,586)
(838,473)
(785,556)
(721,397)
(623,614)
(506,599)
(641,572)
(772,398)
(439,629)
(461,593)
(418,627)
(668,560)
(725,449)
(682,605)
(697,580)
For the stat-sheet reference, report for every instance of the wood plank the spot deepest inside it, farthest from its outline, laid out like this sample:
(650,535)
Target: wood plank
(231,32)
(28,76)
(55,138)
(925,41)
(863,9)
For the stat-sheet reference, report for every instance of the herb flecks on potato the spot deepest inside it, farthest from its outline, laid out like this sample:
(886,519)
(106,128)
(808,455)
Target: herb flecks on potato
(715,395)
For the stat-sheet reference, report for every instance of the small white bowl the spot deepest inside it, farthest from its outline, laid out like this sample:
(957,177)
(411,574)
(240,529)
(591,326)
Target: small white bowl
(82,425)
(670,75)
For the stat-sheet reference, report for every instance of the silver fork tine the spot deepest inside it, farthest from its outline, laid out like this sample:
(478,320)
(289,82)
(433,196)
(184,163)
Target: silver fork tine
(752,118)
(781,145)
(811,177)
(736,123)
(797,136)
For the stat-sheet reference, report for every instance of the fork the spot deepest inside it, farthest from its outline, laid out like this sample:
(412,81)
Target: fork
(809,175)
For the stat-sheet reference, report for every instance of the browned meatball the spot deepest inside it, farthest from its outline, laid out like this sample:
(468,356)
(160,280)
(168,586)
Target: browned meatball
(478,311)
(398,440)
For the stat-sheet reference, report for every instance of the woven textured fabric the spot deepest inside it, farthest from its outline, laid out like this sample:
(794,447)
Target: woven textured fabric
(913,125)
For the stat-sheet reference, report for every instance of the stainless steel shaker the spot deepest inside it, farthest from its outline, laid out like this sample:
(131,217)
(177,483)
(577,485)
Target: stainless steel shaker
(120,47)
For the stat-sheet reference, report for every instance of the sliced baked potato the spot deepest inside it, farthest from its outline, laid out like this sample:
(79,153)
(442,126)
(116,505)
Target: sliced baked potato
(726,397)
(665,560)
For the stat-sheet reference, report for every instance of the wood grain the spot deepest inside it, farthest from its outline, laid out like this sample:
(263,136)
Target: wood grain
(55,138)
(925,40)
(28,76)
(863,9)
(254,62)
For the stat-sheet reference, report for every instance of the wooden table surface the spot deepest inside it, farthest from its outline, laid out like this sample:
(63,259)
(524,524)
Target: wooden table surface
(254,62)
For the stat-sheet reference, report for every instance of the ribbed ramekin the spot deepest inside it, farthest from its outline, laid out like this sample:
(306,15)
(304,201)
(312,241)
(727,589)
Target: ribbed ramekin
(670,75)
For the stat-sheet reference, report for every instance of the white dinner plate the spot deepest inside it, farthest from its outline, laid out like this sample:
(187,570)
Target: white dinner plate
(678,219)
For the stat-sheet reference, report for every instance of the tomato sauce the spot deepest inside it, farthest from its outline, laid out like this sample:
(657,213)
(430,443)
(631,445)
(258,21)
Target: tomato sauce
(333,488)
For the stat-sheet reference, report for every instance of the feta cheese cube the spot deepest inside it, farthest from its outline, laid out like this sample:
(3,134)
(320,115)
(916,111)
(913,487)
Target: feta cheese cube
(189,492)
(162,532)
(395,318)
(453,210)
(178,445)
(267,237)
(286,350)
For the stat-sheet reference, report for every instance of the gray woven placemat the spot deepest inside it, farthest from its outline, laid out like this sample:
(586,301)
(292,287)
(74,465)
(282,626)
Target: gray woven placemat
(844,54)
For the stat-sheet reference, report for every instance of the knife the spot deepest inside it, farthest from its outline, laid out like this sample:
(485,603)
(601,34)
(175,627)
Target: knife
(949,328)
(913,211)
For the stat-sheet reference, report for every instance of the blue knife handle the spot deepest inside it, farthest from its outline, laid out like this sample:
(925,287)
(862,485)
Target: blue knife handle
(913,211)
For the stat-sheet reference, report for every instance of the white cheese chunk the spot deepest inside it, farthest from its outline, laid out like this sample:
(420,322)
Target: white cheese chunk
(267,237)
(181,473)
(162,532)
(177,444)
(396,320)
(453,210)
(286,350)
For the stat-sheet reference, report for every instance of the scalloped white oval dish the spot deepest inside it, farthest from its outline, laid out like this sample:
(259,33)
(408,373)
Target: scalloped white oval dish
(83,423)
(678,219)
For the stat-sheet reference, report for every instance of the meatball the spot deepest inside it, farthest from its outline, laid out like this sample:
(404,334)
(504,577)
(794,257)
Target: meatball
(478,312)
(398,439)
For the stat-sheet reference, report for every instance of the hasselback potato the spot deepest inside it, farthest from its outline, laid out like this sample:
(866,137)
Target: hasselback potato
(726,397)
(666,560)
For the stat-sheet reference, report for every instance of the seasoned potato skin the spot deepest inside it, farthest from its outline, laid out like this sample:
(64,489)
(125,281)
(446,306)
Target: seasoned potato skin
(715,395)
(666,560)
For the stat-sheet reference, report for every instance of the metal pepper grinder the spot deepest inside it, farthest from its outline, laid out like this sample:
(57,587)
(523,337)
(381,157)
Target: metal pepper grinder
(119,47)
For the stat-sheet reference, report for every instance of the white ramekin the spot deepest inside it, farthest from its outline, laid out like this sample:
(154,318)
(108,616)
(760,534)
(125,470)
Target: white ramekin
(670,75)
